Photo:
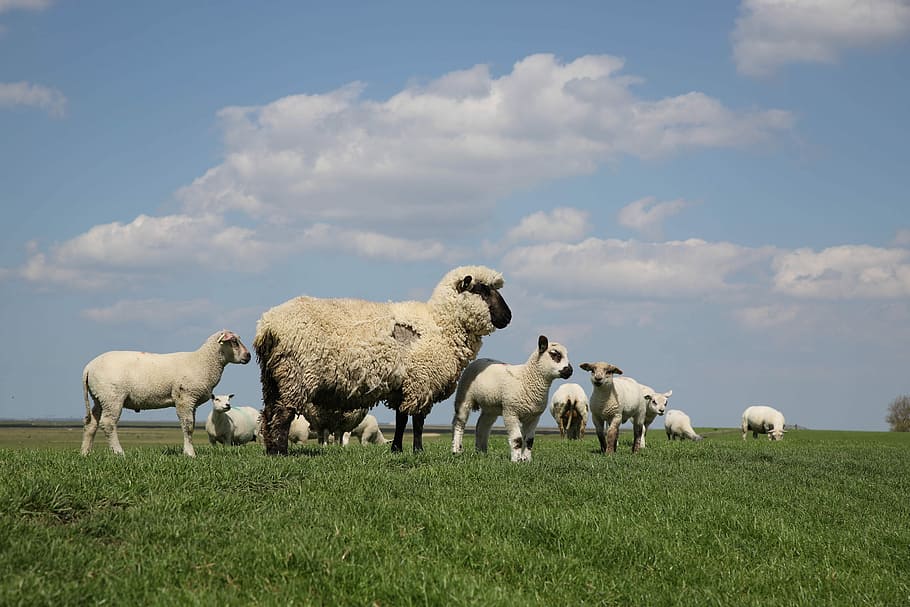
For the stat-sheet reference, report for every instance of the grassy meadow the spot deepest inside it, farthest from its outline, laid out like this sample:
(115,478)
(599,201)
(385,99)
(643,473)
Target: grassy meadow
(822,518)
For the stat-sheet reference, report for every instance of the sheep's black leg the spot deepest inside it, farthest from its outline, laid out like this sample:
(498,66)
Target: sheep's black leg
(417,426)
(401,422)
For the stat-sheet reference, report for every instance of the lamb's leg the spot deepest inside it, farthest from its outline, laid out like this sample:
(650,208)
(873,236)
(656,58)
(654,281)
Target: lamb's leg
(613,434)
(459,421)
(599,430)
(108,421)
(186,413)
(528,429)
(91,427)
(417,421)
(482,430)
(401,422)
(638,430)
(644,435)
(516,437)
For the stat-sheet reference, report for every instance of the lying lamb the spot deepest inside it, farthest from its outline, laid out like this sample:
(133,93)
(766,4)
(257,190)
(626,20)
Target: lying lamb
(229,425)
(761,419)
(517,392)
(569,407)
(324,357)
(615,400)
(140,381)
(678,425)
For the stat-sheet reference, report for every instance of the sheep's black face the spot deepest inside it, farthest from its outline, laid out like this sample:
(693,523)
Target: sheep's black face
(500,314)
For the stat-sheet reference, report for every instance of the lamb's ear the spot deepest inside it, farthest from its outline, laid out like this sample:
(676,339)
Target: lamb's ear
(213,397)
(648,397)
(230,396)
(542,344)
(668,393)
(586,366)
(616,370)
(464,284)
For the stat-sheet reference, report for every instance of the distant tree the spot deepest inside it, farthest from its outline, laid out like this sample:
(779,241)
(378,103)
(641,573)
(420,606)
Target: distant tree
(899,414)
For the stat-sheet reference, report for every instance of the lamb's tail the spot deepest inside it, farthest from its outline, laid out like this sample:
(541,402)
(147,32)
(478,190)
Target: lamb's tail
(85,393)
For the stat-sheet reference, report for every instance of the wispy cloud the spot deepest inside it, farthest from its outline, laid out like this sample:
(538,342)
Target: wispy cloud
(562,224)
(33,5)
(772,33)
(13,94)
(844,272)
(647,215)
(157,312)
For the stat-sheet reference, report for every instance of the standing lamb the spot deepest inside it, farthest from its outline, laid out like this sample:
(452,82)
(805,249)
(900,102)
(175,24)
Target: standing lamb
(140,381)
(678,425)
(656,406)
(230,425)
(761,419)
(569,407)
(517,392)
(615,400)
(324,357)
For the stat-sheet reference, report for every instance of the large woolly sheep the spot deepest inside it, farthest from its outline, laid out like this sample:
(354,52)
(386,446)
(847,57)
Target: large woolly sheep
(617,399)
(141,381)
(569,407)
(761,419)
(229,425)
(678,425)
(517,392)
(323,357)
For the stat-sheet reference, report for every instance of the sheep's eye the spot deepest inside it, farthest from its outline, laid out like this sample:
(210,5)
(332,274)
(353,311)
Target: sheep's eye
(556,356)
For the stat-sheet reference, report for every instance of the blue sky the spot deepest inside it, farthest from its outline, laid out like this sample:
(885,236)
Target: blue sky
(712,196)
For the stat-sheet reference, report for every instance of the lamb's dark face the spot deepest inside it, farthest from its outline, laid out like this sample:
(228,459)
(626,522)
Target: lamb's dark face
(500,314)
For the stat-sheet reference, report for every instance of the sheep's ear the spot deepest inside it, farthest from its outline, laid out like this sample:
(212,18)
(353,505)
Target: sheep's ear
(616,371)
(542,344)
(586,366)
(668,393)
(230,396)
(648,397)
(465,283)
(213,396)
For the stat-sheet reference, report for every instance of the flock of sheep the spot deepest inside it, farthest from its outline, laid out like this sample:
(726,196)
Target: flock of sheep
(325,362)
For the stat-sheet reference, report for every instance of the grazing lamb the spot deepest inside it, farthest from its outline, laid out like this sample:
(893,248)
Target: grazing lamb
(615,400)
(229,425)
(569,407)
(517,392)
(299,431)
(325,357)
(678,425)
(761,419)
(368,432)
(656,406)
(139,381)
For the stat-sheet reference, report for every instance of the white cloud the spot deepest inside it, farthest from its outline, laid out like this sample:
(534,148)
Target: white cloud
(620,269)
(435,158)
(561,224)
(771,33)
(767,316)
(902,238)
(34,5)
(371,244)
(114,251)
(844,272)
(647,215)
(14,94)
(157,312)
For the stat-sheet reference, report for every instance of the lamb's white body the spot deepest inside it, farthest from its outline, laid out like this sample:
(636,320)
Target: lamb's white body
(517,392)
(368,432)
(141,381)
(761,419)
(678,425)
(569,407)
(299,431)
(229,425)
(617,399)
(324,357)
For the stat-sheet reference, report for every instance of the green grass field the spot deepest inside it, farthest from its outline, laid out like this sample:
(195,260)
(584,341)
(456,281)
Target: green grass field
(822,518)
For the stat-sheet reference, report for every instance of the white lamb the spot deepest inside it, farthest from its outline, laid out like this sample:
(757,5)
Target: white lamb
(140,381)
(656,406)
(615,400)
(230,425)
(517,392)
(368,432)
(299,431)
(324,357)
(761,419)
(569,407)
(678,425)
